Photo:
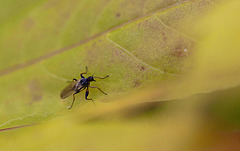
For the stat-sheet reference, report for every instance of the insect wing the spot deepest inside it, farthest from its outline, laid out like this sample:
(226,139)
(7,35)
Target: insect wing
(68,90)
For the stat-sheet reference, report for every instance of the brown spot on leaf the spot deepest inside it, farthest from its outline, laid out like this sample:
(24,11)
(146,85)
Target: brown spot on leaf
(35,90)
(165,71)
(142,68)
(164,36)
(180,51)
(66,15)
(179,47)
(116,52)
(118,15)
(137,83)
(50,4)
(28,24)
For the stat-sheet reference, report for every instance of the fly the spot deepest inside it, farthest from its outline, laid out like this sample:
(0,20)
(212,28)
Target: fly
(79,85)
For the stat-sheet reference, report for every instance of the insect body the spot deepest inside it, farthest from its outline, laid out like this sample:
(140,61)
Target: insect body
(79,85)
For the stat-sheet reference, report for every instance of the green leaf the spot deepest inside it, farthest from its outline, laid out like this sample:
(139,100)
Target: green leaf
(121,52)
(151,55)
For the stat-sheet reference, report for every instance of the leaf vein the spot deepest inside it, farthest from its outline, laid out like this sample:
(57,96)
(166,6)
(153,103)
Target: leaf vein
(19,118)
(138,60)
(53,75)
(170,28)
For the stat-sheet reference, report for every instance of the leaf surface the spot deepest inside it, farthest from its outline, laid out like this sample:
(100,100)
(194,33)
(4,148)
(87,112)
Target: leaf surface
(151,56)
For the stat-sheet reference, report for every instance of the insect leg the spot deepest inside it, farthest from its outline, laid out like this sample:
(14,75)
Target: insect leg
(98,89)
(100,77)
(73,100)
(86,95)
(74,96)
(81,74)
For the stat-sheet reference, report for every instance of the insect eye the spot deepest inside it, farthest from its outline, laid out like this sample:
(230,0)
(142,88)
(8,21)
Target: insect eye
(92,79)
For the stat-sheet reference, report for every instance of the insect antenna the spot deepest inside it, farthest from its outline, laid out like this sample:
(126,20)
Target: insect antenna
(100,77)
(81,74)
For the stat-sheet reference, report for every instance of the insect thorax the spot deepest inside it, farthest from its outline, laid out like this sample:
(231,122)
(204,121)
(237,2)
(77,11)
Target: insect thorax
(83,81)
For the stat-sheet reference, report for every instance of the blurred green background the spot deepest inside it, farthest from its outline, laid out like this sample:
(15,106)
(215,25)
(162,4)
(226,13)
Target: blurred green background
(173,65)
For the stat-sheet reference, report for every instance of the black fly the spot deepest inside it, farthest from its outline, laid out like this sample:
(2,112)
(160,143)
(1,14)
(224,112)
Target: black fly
(79,85)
